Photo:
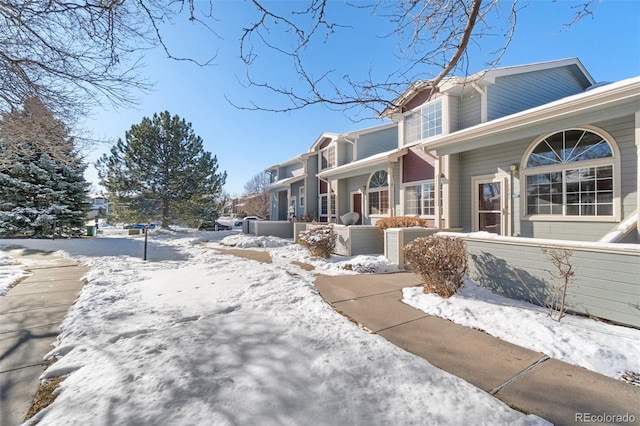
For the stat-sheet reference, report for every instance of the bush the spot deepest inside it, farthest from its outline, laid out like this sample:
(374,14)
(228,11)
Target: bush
(441,262)
(401,222)
(319,240)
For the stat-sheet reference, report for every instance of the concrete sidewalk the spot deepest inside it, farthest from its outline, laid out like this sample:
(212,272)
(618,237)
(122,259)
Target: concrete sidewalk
(526,380)
(30,314)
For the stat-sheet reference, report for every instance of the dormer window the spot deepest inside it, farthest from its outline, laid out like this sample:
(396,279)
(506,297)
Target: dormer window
(423,123)
(328,157)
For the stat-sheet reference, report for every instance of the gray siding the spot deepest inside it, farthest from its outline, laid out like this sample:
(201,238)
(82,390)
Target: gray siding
(487,161)
(514,93)
(454,114)
(377,142)
(344,153)
(606,283)
(312,187)
(343,199)
(288,170)
(455,206)
(622,130)
(353,184)
(469,107)
(359,239)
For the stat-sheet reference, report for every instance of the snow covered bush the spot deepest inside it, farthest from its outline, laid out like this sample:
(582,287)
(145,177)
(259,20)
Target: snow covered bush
(401,222)
(319,240)
(440,261)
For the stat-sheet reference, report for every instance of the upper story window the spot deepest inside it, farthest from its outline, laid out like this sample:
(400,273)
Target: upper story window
(571,174)
(423,123)
(378,193)
(328,157)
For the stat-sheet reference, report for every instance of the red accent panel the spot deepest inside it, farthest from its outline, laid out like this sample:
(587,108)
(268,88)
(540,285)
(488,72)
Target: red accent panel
(418,100)
(323,187)
(357,206)
(325,142)
(415,168)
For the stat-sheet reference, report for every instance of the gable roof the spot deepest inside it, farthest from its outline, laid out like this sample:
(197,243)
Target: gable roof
(601,103)
(456,85)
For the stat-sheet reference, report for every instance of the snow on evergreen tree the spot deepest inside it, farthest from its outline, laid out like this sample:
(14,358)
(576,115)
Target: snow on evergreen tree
(161,171)
(40,194)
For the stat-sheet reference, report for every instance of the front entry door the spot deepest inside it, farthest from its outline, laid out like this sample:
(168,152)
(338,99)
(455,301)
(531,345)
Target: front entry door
(356,204)
(489,215)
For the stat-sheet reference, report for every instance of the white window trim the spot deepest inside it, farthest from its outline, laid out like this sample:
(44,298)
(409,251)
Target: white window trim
(403,197)
(504,179)
(331,146)
(610,161)
(418,110)
(301,197)
(381,189)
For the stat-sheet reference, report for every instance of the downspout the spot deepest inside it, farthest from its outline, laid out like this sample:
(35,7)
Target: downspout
(354,144)
(484,114)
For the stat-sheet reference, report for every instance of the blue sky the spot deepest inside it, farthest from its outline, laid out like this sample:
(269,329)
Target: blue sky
(246,142)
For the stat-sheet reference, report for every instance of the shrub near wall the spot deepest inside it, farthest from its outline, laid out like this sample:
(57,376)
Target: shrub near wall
(440,261)
(401,222)
(319,240)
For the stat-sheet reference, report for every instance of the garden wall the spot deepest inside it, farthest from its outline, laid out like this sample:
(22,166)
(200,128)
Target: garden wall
(606,282)
(396,238)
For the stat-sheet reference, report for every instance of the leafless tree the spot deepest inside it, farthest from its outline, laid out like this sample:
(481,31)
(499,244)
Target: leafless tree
(75,54)
(564,272)
(256,195)
(430,35)
(33,129)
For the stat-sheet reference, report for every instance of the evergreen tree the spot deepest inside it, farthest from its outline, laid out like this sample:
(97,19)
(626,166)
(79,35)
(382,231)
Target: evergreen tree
(161,171)
(40,194)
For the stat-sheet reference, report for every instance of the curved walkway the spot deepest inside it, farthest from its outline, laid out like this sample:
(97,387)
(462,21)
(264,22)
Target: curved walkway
(30,314)
(528,381)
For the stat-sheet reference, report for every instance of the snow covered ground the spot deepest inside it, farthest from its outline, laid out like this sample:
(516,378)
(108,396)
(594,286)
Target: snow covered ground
(10,272)
(194,336)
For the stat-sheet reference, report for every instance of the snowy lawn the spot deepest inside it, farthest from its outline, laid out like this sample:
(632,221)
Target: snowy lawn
(10,272)
(197,337)
(193,336)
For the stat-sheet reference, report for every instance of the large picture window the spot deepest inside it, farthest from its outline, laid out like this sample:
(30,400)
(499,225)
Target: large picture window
(423,123)
(420,199)
(378,193)
(570,174)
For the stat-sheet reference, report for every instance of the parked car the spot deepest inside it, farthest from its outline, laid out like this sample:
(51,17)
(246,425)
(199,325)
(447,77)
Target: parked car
(248,218)
(213,226)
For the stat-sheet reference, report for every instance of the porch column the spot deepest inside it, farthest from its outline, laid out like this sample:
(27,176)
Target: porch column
(329,191)
(392,203)
(438,185)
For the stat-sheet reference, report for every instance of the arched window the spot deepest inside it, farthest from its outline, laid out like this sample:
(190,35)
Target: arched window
(378,193)
(570,174)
